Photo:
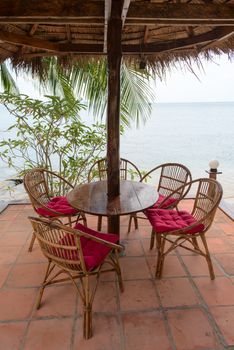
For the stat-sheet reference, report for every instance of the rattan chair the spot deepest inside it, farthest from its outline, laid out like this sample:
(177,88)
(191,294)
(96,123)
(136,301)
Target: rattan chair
(183,228)
(98,172)
(171,176)
(79,253)
(46,191)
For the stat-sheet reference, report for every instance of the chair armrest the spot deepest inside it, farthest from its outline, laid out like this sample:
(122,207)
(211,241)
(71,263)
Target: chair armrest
(96,239)
(58,225)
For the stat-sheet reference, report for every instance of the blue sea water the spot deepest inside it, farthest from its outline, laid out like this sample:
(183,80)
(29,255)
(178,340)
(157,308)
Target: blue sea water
(188,133)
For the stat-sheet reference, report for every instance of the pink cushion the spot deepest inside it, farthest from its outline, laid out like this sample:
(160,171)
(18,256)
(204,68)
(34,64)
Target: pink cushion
(168,203)
(60,205)
(94,253)
(164,220)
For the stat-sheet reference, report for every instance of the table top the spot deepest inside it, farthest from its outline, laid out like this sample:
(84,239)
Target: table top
(92,198)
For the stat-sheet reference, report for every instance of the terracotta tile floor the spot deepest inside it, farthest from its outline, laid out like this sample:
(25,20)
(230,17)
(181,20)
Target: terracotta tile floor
(184,310)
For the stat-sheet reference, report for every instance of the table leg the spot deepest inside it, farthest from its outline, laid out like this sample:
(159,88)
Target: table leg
(114,224)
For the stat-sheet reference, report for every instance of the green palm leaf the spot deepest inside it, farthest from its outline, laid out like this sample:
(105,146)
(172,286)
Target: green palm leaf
(6,80)
(88,81)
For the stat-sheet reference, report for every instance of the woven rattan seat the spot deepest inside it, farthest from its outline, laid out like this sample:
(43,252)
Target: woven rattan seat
(81,254)
(171,177)
(47,193)
(186,229)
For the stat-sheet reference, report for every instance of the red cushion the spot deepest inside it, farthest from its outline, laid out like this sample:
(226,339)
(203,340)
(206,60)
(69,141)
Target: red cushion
(168,203)
(60,205)
(94,253)
(169,220)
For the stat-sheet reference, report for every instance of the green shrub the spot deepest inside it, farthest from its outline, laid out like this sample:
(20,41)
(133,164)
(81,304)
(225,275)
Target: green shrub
(50,134)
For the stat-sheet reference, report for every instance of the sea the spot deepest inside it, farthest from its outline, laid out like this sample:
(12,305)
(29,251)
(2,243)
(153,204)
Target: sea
(189,133)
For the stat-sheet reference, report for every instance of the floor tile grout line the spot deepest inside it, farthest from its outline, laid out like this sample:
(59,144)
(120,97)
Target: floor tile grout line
(108,313)
(205,307)
(24,338)
(30,318)
(220,266)
(12,266)
(74,325)
(161,308)
(119,314)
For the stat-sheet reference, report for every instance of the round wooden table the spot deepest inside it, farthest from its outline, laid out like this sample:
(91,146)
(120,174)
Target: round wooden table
(92,198)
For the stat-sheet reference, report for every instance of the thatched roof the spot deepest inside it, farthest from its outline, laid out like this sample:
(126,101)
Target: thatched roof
(156,31)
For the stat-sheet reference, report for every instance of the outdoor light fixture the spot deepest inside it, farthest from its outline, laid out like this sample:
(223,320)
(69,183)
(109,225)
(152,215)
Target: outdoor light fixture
(213,172)
(214,164)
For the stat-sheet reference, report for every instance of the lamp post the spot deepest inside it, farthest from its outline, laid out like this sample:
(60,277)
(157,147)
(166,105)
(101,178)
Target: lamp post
(213,172)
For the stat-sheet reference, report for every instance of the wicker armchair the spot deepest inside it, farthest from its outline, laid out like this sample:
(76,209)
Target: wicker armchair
(183,229)
(46,191)
(170,178)
(98,172)
(79,253)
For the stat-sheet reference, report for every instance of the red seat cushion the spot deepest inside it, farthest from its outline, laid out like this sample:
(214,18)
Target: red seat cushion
(60,205)
(164,220)
(94,253)
(168,203)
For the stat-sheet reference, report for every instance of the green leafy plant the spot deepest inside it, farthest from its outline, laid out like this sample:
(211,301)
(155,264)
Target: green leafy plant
(50,134)
(89,81)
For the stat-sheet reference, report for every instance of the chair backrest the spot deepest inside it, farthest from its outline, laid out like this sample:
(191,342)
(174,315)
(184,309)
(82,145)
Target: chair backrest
(206,201)
(128,170)
(172,177)
(59,243)
(208,196)
(42,184)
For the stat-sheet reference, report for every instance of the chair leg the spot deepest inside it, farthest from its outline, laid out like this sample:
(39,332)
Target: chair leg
(160,260)
(135,221)
(83,218)
(130,223)
(152,239)
(69,221)
(195,243)
(208,258)
(42,288)
(87,320)
(32,242)
(134,217)
(118,271)
(99,226)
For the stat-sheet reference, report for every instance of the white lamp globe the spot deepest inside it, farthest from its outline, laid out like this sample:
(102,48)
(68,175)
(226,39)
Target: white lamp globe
(214,164)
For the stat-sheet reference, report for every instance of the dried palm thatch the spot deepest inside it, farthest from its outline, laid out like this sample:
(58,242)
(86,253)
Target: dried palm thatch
(157,32)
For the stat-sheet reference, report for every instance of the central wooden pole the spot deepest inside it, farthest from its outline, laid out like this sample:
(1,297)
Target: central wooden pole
(114,55)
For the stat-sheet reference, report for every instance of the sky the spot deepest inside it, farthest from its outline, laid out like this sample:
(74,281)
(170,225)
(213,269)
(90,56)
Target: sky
(215,83)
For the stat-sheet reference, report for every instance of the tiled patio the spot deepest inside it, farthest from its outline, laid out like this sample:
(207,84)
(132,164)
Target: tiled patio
(184,310)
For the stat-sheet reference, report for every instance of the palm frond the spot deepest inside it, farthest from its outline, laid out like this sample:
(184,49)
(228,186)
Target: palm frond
(6,80)
(88,82)
(136,95)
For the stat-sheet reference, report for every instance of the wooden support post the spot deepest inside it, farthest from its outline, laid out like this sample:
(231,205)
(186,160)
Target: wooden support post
(114,55)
